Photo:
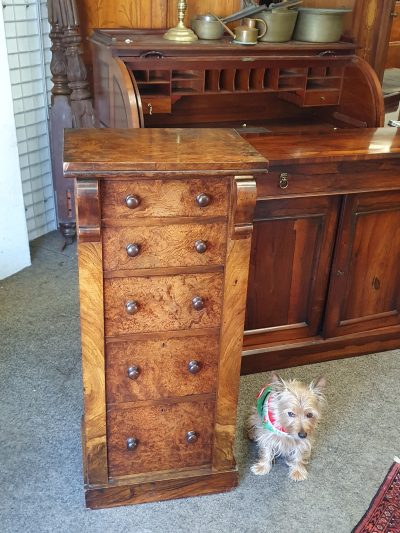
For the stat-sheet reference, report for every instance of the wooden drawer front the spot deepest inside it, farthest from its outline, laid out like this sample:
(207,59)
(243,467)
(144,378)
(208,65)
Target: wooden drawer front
(164,303)
(329,178)
(321,98)
(156,104)
(164,246)
(168,198)
(161,432)
(155,369)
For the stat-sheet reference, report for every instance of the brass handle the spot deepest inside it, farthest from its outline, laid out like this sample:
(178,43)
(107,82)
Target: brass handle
(131,307)
(150,108)
(194,367)
(132,443)
(152,54)
(203,200)
(198,303)
(133,249)
(132,201)
(191,437)
(133,372)
(200,246)
(283,180)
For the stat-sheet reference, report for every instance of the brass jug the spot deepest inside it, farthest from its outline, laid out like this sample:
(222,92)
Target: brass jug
(248,32)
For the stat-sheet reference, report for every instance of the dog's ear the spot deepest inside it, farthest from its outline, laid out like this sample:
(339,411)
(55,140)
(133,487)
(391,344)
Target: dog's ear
(276,378)
(317,386)
(277,382)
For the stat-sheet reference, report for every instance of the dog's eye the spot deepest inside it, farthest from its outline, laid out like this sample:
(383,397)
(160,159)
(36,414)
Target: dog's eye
(292,415)
(309,415)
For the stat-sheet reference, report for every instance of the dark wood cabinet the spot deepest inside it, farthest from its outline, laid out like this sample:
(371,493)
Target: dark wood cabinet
(292,247)
(324,277)
(364,289)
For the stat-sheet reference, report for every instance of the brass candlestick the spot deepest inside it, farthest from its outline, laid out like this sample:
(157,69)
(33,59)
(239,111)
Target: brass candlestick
(180,32)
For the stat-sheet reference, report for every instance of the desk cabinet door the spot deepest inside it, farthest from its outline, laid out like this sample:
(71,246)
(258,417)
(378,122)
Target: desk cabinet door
(364,291)
(290,262)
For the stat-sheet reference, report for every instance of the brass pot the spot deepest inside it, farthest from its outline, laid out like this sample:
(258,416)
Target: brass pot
(207,27)
(280,25)
(319,25)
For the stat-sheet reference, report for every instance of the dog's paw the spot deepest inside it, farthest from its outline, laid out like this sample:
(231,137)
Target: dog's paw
(260,469)
(298,474)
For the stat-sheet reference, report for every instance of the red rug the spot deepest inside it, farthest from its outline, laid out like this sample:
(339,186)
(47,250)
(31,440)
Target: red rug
(383,515)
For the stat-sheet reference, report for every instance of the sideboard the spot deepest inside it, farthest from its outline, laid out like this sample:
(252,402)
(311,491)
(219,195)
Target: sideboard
(325,264)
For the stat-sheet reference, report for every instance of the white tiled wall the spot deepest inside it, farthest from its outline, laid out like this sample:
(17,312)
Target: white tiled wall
(28,47)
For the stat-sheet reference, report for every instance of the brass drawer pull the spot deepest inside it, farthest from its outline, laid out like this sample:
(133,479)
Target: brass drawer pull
(194,367)
(198,303)
(284,180)
(132,201)
(132,443)
(131,307)
(200,246)
(133,372)
(191,437)
(133,249)
(203,200)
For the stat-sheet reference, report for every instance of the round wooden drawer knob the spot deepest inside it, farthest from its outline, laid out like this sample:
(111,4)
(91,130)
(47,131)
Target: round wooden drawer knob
(133,372)
(198,303)
(132,201)
(133,250)
(132,443)
(194,367)
(203,200)
(131,307)
(191,437)
(200,246)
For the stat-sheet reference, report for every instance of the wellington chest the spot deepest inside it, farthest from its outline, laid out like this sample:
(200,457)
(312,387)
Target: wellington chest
(164,232)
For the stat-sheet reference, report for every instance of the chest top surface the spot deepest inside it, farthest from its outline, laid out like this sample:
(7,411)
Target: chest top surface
(182,149)
(342,145)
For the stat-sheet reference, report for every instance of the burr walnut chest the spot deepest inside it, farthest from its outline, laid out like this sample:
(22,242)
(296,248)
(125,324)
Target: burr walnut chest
(164,233)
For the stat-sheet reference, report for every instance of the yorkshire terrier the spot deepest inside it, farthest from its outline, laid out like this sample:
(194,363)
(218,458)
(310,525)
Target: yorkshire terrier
(283,423)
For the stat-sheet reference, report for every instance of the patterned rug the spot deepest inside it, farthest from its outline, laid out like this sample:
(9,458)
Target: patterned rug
(383,515)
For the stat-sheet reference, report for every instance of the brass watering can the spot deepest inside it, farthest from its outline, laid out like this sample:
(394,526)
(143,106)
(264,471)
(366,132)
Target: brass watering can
(248,33)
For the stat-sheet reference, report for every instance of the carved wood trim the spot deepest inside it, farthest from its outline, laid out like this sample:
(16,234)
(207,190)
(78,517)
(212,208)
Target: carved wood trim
(130,94)
(58,63)
(93,362)
(88,210)
(81,101)
(244,201)
(235,290)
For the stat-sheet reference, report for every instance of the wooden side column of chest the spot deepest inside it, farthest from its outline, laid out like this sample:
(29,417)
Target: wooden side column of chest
(164,231)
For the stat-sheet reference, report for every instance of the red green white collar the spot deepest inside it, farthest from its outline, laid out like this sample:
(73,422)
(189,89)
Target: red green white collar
(265,413)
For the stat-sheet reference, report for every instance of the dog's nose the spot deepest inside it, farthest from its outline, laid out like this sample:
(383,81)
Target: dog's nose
(302,434)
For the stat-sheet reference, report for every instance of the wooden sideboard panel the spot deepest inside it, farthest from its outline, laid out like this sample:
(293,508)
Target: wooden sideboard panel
(289,267)
(365,283)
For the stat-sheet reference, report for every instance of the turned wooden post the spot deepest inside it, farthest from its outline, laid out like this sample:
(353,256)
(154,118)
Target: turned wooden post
(58,63)
(81,101)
